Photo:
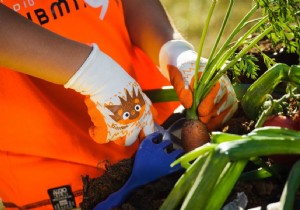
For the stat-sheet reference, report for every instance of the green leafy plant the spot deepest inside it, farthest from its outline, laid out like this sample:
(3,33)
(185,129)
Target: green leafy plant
(262,89)
(213,169)
(281,25)
(279,22)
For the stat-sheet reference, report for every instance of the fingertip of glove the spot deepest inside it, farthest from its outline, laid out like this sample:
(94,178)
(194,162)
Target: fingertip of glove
(187,104)
(185,97)
(99,136)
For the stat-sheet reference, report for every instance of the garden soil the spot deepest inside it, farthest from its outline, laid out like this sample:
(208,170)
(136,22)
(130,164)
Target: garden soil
(150,197)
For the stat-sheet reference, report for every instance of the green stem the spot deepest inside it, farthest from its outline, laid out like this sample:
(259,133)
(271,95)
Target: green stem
(202,39)
(221,30)
(219,137)
(265,113)
(262,88)
(256,174)
(246,49)
(237,29)
(258,161)
(290,190)
(210,62)
(274,132)
(245,149)
(225,184)
(192,155)
(271,105)
(221,57)
(226,56)
(182,186)
(161,95)
(203,186)
(192,112)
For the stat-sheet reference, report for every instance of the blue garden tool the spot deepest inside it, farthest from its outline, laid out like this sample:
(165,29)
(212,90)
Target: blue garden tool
(152,161)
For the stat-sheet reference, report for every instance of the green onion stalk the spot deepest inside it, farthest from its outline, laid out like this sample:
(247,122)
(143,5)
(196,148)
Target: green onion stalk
(214,171)
(287,199)
(217,64)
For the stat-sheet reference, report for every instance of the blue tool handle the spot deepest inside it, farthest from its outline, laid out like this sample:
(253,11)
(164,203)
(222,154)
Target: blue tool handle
(118,197)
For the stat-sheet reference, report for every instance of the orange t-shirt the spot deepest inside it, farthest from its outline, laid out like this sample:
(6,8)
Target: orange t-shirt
(44,139)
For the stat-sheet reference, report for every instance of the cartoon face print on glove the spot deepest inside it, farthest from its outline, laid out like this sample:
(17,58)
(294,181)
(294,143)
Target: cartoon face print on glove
(121,116)
(130,109)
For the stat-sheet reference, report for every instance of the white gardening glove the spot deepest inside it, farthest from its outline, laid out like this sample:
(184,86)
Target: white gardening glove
(116,104)
(177,62)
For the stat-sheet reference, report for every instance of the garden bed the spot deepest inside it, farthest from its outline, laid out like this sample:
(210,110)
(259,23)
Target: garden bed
(151,197)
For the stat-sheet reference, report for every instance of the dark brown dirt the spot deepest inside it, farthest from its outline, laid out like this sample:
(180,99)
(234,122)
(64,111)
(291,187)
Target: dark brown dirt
(98,189)
(151,197)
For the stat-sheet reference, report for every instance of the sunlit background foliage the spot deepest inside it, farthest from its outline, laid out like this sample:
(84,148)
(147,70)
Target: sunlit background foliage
(189,16)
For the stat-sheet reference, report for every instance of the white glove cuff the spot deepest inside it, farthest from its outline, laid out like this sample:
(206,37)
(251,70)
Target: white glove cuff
(170,52)
(72,83)
(96,72)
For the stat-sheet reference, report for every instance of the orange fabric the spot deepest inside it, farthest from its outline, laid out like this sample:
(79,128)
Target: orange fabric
(44,139)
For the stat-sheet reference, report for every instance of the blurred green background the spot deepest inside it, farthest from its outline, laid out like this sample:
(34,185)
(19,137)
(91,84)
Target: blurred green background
(189,17)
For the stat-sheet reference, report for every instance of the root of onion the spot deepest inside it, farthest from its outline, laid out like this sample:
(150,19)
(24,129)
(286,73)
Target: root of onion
(194,134)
